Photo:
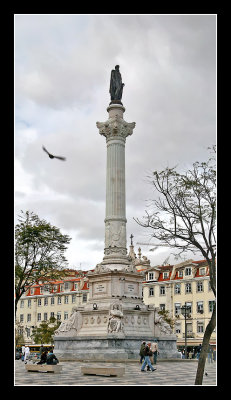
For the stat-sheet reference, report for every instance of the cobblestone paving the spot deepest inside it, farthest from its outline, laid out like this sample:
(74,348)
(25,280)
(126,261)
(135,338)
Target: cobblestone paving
(168,373)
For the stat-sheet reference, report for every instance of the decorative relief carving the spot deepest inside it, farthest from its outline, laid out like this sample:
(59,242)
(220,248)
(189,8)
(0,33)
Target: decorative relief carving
(115,127)
(115,323)
(70,326)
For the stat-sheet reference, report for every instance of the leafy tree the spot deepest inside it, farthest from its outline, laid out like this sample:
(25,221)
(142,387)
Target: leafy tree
(45,332)
(39,252)
(183,217)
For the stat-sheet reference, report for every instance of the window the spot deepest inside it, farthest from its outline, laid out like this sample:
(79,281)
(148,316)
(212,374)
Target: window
(31,291)
(200,308)
(61,288)
(39,318)
(188,288)
(45,301)
(190,307)
(177,328)
(151,276)
(59,315)
(180,273)
(39,302)
(189,328)
(177,288)
(84,298)
(28,317)
(73,298)
(27,332)
(151,291)
(22,304)
(177,308)
(200,287)
(46,288)
(52,301)
(52,314)
(165,275)
(188,271)
(66,299)
(59,300)
(66,286)
(162,290)
(29,303)
(162,307)
(211,305)
(45,316)
(200,327)
(76,286)
(41,290)
(65,315)
(202,271)
(21,317)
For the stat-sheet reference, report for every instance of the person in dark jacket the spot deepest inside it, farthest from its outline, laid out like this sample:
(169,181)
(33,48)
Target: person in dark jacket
(147,353)
(43,358)
(51,358)
(142,347)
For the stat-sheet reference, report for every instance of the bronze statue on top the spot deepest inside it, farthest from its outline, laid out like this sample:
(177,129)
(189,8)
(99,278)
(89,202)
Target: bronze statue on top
(116,86)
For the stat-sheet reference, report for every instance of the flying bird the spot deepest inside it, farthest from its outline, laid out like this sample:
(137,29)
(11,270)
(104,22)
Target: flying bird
(51,155)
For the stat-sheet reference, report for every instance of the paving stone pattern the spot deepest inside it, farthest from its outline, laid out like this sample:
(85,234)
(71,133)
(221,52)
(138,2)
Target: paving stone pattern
(168,373)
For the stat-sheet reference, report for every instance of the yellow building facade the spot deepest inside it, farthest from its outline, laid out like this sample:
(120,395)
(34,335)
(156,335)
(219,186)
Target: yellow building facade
(47,299)
(171,287)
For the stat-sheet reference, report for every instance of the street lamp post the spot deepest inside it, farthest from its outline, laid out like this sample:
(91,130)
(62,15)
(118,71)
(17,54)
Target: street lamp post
(185,310)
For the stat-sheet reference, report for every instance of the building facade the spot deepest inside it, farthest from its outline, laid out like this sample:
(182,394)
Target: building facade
(173,286)
(50,298)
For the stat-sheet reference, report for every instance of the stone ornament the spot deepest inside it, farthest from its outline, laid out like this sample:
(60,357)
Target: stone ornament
(115,323)
(164,327)
(115,127)
(71,326)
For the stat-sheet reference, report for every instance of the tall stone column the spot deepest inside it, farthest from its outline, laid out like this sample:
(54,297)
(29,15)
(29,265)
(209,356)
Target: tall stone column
(116,130)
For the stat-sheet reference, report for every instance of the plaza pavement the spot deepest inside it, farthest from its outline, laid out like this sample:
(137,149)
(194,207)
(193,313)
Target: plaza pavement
(168,373)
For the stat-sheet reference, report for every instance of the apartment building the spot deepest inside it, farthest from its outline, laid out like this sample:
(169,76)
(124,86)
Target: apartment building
(50,298)
(172,286)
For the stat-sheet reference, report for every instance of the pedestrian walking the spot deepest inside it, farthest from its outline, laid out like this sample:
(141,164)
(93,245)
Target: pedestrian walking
(210,354)
(27,353)
(51,358)
(142,347)
(198,351)
(154,348)
(42,349)
(147,353)
(23,352)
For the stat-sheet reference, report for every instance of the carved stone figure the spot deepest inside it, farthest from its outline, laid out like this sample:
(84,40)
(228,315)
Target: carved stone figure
(164,327)
(115,323)
(116,85)
(71,325)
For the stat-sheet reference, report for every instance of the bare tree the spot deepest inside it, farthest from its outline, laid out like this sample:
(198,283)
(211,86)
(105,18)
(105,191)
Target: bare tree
(183,217)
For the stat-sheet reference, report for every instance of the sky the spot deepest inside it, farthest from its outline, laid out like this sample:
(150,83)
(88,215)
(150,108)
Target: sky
(61,78)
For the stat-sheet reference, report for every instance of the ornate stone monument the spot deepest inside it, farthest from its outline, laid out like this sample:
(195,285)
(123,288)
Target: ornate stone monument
(114,322)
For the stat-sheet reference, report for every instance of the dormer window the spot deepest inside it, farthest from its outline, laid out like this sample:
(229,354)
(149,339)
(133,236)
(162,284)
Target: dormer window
(66,286)
(188,271)
(202,271)
(180,273)
(165,275)
(150,276)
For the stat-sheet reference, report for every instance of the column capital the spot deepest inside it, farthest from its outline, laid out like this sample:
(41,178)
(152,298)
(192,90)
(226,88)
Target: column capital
(115,127)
